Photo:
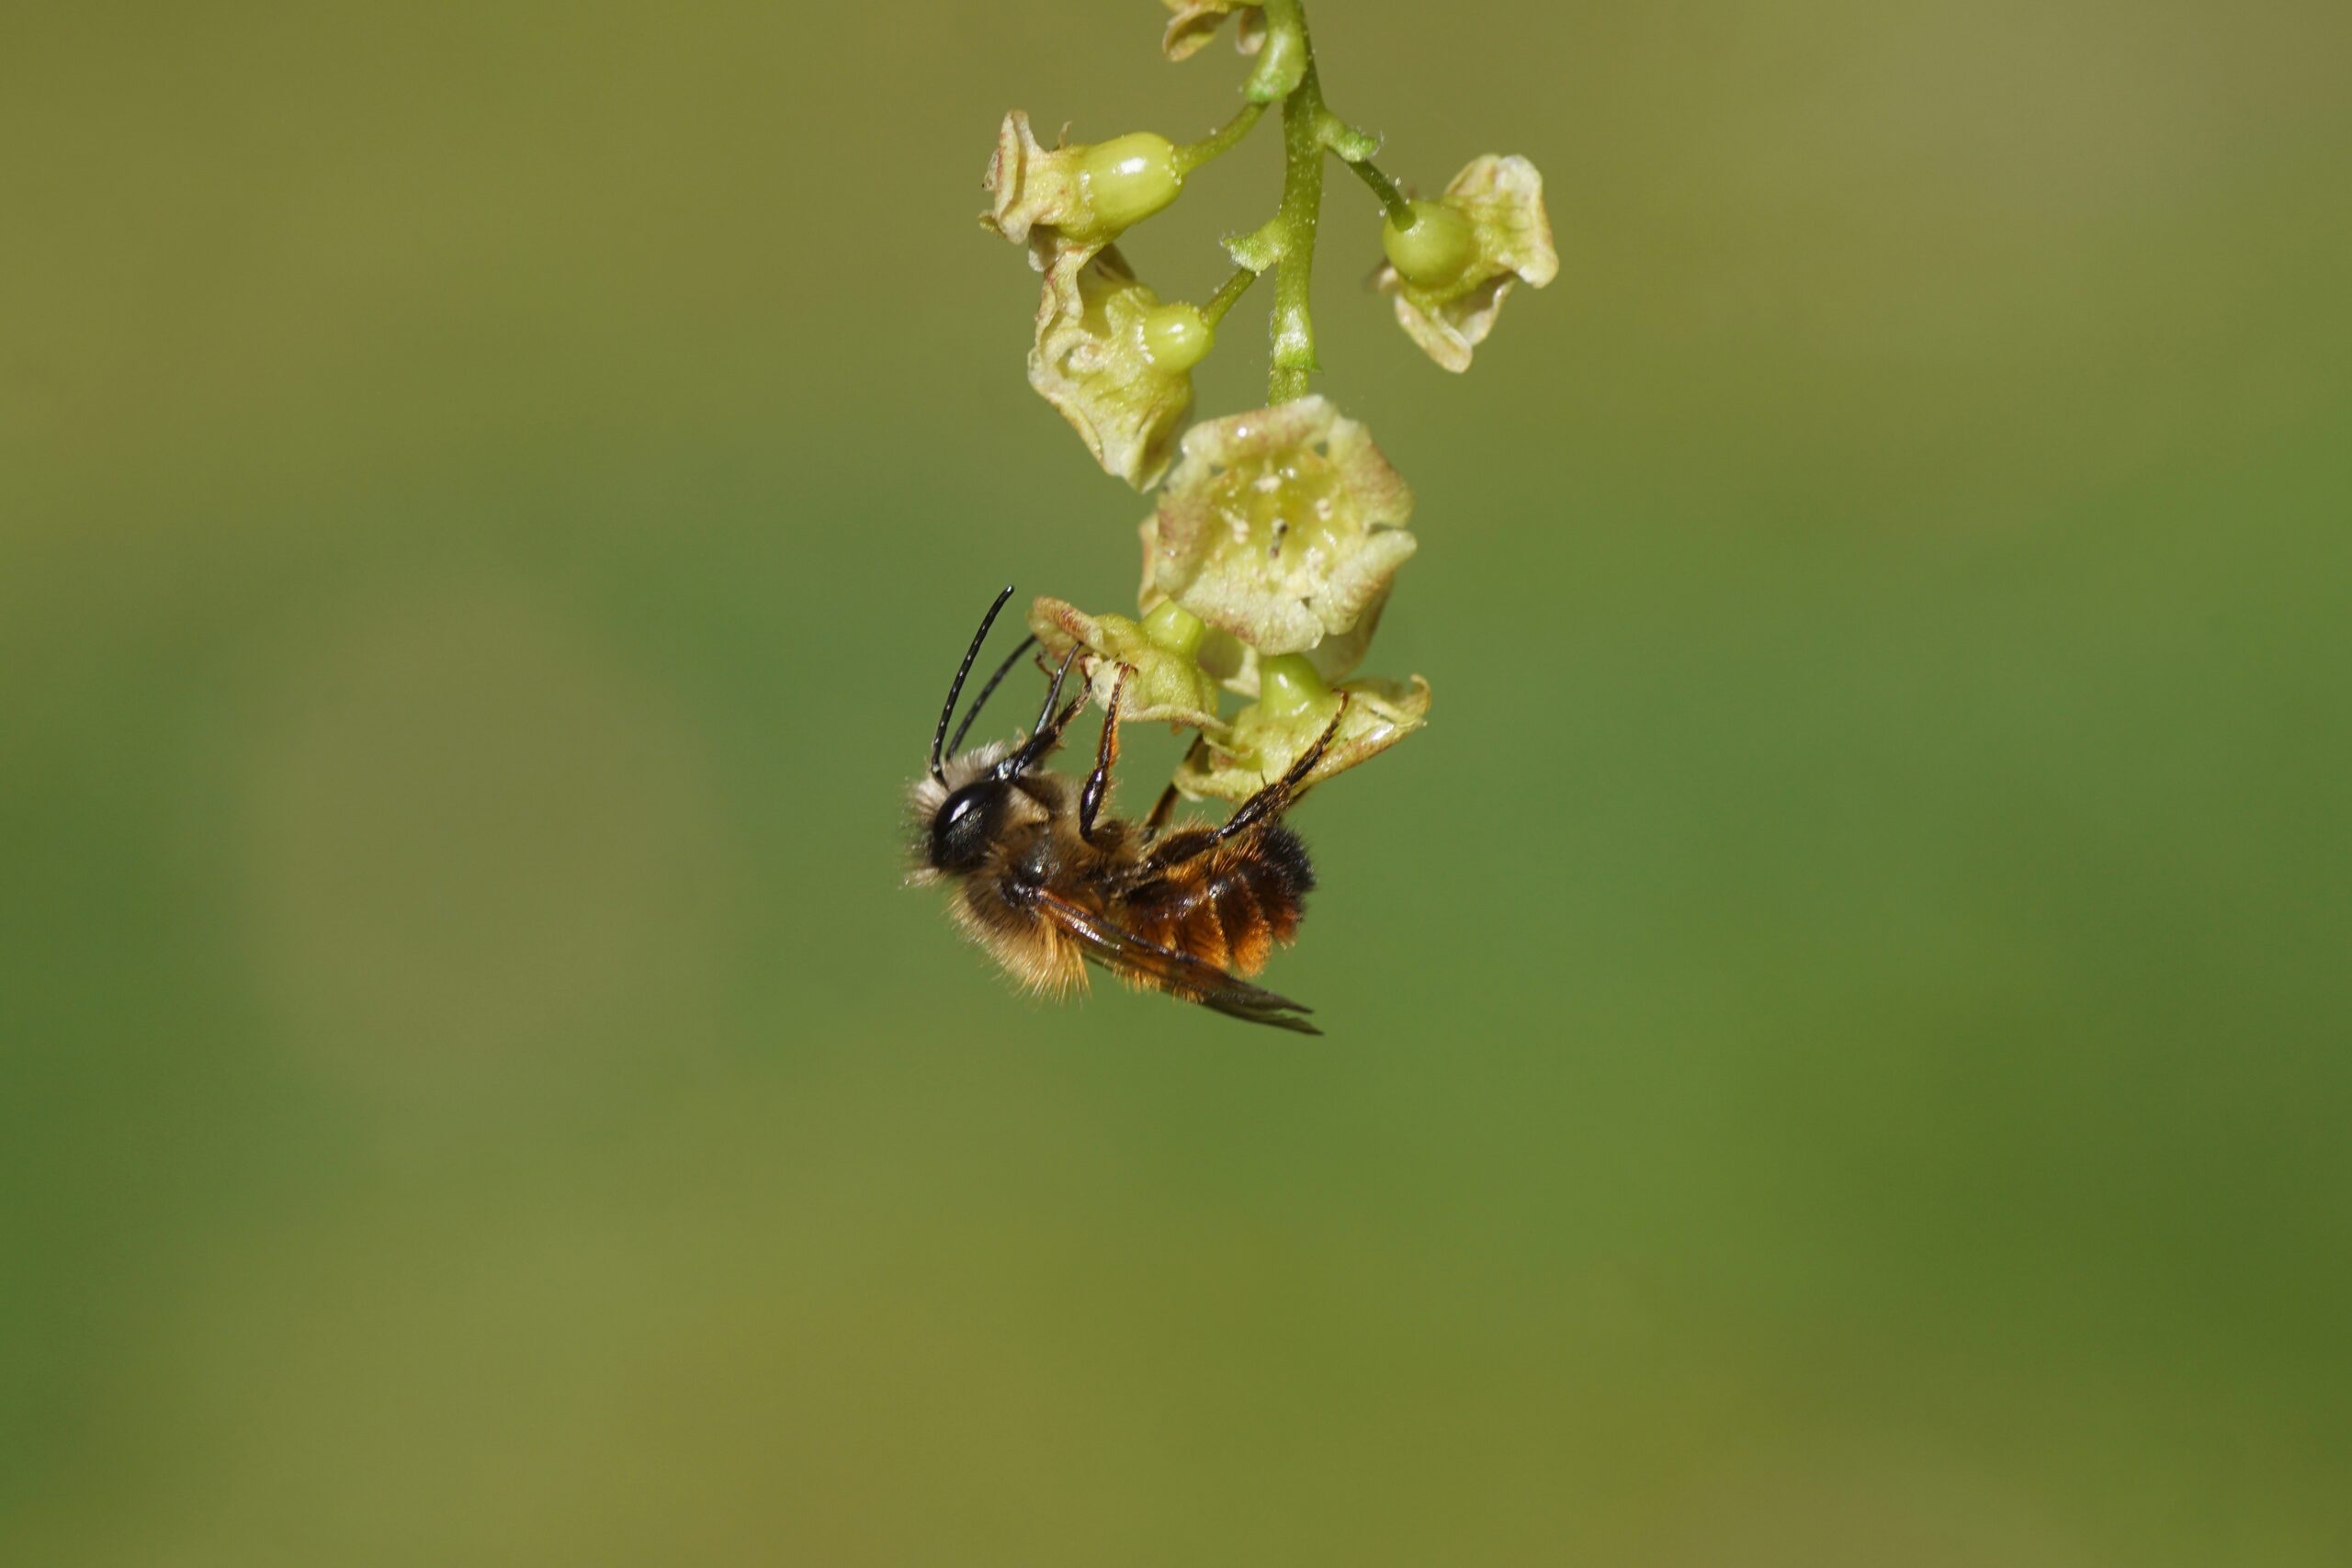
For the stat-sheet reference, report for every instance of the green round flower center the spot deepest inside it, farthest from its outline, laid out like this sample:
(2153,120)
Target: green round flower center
(1437,248)
(1292,511)
(1128,178)
(1176,337)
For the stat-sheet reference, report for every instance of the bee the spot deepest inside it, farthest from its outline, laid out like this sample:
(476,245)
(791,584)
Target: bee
(1046,882)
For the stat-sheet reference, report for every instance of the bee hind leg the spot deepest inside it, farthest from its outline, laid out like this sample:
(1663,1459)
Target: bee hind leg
(1268,803)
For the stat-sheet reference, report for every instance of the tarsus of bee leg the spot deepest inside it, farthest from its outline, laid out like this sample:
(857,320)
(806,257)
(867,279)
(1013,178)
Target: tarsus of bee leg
(1106,752)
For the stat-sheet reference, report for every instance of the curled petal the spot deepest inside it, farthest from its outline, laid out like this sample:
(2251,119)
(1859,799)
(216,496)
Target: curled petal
(1164,684)
(1194,22)
(1283,528)
(1075,196)
(1107,356)
(1029,186)
(1502,198)
(1263,742)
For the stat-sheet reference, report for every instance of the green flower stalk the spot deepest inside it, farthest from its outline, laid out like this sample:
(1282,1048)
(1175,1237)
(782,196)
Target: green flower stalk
(1274,545)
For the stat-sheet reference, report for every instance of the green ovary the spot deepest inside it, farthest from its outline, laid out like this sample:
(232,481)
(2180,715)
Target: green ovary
(1176,337)
(1435,250)
(1128,178)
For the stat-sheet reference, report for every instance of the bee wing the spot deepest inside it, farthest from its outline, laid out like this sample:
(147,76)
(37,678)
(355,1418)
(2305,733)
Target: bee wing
(1131,957)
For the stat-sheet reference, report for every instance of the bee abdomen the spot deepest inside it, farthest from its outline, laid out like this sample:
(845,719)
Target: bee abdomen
(1235,907)
(1249,929)
(1283,877)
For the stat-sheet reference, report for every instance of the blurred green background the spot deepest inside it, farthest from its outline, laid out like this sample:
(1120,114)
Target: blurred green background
(1839,1030)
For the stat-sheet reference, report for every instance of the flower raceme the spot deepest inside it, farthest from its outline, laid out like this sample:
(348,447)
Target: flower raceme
(1265,567)
(1278,532)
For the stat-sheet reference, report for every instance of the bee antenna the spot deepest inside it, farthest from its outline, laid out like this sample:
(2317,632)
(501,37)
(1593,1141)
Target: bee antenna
(955,741)
(947,714)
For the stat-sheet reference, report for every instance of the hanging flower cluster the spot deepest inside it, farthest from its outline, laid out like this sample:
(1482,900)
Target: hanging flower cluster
(1278,531)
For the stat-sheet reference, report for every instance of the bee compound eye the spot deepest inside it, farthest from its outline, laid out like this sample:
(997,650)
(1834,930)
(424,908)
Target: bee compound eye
(966,822)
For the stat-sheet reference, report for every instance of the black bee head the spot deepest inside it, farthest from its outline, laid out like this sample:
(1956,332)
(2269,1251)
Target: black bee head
(967,822)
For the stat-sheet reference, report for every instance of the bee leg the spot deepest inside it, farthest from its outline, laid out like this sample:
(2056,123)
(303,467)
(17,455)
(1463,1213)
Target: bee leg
(1046,733)
(1273,800)
(1098,782)
(1167,804)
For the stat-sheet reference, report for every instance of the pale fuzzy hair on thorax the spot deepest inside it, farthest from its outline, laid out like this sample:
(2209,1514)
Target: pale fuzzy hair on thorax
(1036,956)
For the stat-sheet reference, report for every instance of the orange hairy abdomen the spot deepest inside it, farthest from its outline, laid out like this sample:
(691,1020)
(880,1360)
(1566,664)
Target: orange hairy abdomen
(1229,907)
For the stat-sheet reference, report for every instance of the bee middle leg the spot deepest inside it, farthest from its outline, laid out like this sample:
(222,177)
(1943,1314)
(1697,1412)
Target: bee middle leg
(1106,752)
(1165,806)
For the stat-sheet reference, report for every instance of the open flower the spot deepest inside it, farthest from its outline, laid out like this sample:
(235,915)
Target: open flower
(1271,734)
(1196,21)
(1451,269)
(1282,527)
(1116,362)
(1078,195)
(1162,681)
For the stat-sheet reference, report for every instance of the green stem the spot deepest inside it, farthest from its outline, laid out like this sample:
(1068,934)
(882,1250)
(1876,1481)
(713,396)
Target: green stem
(1293,359)
(1400,211)
(1219,143)
(1227,294)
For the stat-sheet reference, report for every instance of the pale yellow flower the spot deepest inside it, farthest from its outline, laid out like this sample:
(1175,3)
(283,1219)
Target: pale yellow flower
(1116,362)
(1163,683)
(1196,21)
(1282,527)
(1449,271)
(1267,737)
(1077,196)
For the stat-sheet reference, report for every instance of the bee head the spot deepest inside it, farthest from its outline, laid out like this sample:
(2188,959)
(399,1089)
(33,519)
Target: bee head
(963,805)
(966,823)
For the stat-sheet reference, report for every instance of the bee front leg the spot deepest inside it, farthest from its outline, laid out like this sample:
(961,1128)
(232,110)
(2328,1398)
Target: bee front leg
(1098,782)
(1048,732)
